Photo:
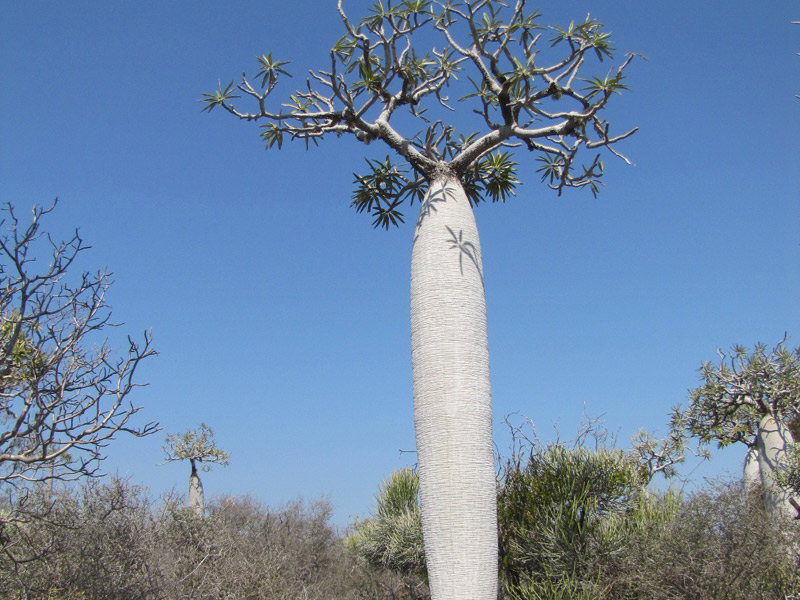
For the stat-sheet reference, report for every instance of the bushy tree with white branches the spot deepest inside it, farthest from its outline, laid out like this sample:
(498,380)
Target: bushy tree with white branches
(752,398)
(382,84)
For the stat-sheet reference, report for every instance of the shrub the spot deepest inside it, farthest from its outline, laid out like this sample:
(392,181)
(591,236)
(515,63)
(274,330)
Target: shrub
(554,507)
(91,543)
(390,541)
(108,541)
(243,550)
(718,543)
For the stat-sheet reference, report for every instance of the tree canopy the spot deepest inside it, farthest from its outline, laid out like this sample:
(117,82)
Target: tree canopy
(196,446)
(739,390)
(383,77)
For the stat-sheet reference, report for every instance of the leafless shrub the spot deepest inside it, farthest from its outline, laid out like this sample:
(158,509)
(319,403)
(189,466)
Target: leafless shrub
(107,540)
(721,544)
(90,543)
(243,550)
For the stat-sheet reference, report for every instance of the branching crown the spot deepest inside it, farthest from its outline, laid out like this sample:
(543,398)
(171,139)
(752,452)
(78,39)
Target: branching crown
(378,70)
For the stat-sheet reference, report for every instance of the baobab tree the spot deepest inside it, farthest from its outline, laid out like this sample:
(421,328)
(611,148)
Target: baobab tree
(196,446)
(379,81)
(752,399)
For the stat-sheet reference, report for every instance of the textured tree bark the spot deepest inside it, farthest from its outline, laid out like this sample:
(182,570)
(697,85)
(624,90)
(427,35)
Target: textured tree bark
(752,472)
(196,501)
(772,440)
(452,398)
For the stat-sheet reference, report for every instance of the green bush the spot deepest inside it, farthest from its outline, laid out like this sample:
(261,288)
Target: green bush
(392,538)
(554,511)
(580,523)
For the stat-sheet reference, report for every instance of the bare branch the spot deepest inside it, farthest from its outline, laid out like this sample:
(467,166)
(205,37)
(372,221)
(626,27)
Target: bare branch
(63,395)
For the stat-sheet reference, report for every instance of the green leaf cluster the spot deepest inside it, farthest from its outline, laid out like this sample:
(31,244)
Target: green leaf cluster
(402,13)
(386,186)
(495,177)
(269,69)
(219,97)
(21,361)
(272,134)
(589,33)
(383,189)
(610,84)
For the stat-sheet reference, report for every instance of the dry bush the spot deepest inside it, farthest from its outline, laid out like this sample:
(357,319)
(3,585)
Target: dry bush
(107,541)
(90,543)
(720,544)
(243,550)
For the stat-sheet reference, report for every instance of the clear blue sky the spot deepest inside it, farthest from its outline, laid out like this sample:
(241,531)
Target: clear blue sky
(281,316)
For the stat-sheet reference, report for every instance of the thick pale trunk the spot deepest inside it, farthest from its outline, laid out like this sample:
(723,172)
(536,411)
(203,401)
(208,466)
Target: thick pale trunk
(772,442)
(452,398)
(196,492)
(752,472)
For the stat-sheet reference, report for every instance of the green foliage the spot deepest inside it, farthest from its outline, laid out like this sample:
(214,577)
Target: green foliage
(21,360)
(219,97)
(399,494)
(494,176)
(382,190)
(610,84)
(553,509)
(269,69)
(717,543)
(564,514)
(573,520)
(195,445)
(392,538)
(741,389)
(386,186)
(564,587)
(589,33)
(272,134)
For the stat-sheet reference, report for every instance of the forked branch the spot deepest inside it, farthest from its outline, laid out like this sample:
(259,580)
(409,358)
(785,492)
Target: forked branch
(489,59)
